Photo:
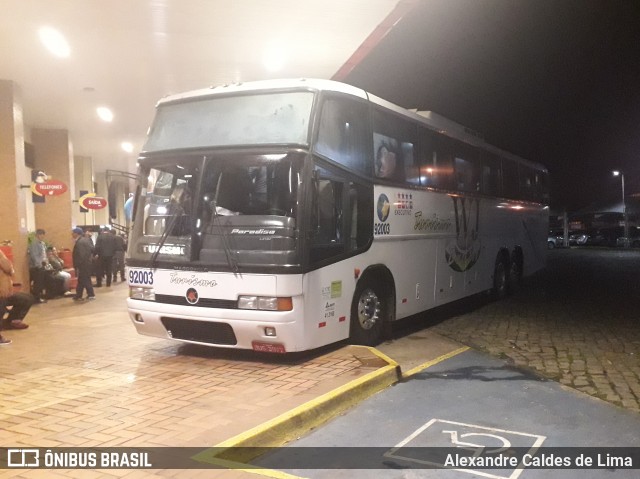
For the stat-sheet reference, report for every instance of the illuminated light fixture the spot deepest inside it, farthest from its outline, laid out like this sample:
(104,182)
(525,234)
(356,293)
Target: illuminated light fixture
(105,113)
(54,41)
(274,157)
(273,59)
(127,146)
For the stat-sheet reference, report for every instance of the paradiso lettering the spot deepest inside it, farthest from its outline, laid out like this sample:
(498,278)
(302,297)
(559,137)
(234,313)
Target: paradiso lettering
(434,223)
(191,280)
(463,252)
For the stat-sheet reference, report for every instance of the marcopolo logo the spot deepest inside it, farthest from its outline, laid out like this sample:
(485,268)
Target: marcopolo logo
(383,207)
(192,296)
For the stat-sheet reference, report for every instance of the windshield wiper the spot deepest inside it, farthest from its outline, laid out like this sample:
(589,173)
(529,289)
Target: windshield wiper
(164,236)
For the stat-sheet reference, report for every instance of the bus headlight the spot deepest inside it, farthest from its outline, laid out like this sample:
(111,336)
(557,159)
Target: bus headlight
(139,292)
(265,303)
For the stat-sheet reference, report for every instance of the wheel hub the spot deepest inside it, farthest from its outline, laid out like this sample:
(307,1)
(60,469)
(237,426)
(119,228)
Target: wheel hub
(368,309)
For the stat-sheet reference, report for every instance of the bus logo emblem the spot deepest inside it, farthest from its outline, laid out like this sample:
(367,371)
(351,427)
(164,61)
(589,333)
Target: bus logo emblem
(463,252)
(192,296)
(383,207)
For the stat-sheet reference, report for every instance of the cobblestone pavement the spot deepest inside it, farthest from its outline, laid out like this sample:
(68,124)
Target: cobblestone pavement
(578,322)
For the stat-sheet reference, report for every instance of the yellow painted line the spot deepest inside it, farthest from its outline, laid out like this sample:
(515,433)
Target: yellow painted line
(300,420)
(435,361)
(290,425)
(238,466)
(381,355)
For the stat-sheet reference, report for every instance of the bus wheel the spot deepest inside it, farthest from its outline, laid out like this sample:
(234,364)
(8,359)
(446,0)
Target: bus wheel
(500,278)
(367,315)
(515,272)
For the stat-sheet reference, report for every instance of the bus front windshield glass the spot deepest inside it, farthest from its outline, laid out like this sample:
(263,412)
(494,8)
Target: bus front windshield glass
(256,119)
(215,210)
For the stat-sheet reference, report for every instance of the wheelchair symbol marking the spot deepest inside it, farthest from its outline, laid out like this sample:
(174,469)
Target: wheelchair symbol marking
(441,433)
(478,448)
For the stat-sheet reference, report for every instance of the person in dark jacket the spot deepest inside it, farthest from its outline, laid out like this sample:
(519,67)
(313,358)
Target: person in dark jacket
(105,249)
(82,255)
(118,258)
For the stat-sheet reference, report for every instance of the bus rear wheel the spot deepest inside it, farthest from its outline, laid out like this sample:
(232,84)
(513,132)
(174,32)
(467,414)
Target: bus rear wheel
(367,314)
(500,278)
(515,272)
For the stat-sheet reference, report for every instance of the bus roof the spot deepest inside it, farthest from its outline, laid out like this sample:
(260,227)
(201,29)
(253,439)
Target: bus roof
(245,87)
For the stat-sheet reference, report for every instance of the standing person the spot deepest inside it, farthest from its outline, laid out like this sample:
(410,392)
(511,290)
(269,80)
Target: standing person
(118,258)
(20,302)
(105,249)
(37,264)
(82,254)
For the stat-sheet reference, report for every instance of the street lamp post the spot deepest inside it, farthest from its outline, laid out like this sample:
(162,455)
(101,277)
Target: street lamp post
(624,209)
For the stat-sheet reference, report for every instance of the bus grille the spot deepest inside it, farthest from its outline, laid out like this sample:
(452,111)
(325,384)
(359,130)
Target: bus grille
(200,331)
(203,303)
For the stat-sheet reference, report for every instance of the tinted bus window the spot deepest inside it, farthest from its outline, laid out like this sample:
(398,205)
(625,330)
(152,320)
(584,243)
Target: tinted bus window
(543,181)
(426,163)
(257,119)
(491,175)
(342,134)
(394,141)
(436,168)
(510,179)
(526,182)
(466,170)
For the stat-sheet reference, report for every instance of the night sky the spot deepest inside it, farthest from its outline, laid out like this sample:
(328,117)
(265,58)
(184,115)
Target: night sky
(556,82)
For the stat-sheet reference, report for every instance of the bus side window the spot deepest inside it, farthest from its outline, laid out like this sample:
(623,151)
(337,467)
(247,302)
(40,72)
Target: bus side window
(530,184)
(543,186)
(329,212)
(439,167)
(326,221)
(466,168)
(394,141)
(491,180)
(510,187)
(360,197)
(341,219)
(342,133)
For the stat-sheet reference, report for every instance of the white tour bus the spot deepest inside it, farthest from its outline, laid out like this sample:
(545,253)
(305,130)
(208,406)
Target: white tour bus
(285,215)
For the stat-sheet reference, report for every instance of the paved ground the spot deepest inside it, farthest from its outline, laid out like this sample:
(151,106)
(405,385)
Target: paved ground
(81,376)
(467,405)
(577,323)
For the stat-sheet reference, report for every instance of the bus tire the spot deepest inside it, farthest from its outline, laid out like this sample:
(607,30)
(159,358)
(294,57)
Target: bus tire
(515,271)
(500,278)
(368,310)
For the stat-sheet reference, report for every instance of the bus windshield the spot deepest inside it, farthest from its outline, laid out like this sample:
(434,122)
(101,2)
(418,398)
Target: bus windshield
(256,119)
(232,211)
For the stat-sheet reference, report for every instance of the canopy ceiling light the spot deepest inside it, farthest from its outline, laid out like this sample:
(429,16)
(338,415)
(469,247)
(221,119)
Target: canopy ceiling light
(54,41)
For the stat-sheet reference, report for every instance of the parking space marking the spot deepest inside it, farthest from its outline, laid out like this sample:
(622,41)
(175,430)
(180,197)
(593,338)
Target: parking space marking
(440,433)
(435,361)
